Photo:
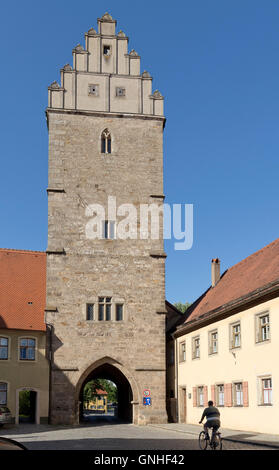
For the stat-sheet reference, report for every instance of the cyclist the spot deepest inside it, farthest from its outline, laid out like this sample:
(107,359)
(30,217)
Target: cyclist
(212,416)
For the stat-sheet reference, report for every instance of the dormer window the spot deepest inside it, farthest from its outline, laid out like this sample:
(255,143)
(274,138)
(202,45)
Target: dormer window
(107,51)
(106,142)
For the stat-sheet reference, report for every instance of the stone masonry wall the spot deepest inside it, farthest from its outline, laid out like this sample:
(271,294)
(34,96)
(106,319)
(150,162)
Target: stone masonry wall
(129,271)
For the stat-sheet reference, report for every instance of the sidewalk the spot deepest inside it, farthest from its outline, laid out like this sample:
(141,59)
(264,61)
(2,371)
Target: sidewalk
(268,440)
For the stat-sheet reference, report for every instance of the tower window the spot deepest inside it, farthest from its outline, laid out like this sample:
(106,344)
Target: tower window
(107,50)
(120,91)
(90,312)
(93,90)
(106,142)
(119,312)
(104,313)
(109,229)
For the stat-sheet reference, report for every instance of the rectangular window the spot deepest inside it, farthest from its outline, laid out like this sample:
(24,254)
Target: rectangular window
(93,90)
(104,312)
(200,396)
(266,391)
(235,336)
(4,346)
(27,349)
(90,312)
(238,394)
(3,393)
(107,50)
(262,328)
(119,312)
(213,342)
(196,347)
(109,229)
(182,355)
(120,91)
(220,395)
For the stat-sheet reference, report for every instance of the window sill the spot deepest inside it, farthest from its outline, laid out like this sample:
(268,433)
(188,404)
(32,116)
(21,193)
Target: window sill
(263,341)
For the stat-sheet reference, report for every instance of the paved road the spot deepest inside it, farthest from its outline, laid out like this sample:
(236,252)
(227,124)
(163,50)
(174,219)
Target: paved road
(106,433)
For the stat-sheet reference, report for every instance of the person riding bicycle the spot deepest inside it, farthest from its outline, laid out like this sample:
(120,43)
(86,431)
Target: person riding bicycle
(212,415)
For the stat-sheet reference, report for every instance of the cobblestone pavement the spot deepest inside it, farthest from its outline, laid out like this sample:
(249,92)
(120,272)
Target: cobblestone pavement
(100,434)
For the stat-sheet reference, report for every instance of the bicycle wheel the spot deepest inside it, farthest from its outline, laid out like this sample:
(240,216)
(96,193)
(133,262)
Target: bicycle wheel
(217,443)
(202,441)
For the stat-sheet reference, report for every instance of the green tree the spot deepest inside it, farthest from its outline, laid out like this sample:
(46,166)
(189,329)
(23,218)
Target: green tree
(102,384)
(24,403)
(182,307)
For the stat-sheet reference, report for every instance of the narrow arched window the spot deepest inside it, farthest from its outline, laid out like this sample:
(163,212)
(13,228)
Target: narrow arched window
(106,142)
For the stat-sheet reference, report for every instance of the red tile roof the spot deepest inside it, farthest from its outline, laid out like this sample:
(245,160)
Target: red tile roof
(100,392)
(252,273)
(22,289)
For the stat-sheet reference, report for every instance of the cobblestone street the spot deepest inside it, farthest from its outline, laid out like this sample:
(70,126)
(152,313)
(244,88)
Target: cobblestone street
(108,434)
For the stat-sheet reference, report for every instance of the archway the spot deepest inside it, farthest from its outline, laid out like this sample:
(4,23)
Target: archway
(123,407)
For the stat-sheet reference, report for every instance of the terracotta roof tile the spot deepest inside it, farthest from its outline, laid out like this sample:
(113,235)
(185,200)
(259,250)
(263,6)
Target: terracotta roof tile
(101,392)
(22,289)
(250,274)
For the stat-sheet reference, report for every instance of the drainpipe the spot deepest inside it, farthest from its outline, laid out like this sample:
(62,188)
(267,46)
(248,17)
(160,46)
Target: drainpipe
(176,378)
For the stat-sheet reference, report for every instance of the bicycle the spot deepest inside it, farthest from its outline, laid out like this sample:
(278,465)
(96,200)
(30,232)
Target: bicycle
(214,441)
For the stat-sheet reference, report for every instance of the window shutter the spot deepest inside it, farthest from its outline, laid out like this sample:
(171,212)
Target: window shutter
(205,395)
(228,394)
(245,394)
(213,393)
(194,396)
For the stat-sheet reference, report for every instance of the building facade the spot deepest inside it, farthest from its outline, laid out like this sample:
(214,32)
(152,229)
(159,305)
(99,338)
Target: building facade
(226,350)
(24,365)
(105,306)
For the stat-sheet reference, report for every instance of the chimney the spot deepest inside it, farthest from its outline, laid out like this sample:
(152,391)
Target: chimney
(215,271)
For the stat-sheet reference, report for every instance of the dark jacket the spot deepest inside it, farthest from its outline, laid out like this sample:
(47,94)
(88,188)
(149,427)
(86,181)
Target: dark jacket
(211,412)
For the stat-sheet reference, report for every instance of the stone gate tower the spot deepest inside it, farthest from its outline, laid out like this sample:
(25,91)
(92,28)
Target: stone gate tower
(105,306)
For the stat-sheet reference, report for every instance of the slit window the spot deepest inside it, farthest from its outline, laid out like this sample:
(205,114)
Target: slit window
(119,312)
(90,312)
(109,229)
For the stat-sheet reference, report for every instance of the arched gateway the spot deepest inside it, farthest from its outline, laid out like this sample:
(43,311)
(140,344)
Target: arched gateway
(105,291)
(108,368)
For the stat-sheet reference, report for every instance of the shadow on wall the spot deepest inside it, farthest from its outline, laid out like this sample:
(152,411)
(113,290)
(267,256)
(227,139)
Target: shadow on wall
(67,401)
(3,324)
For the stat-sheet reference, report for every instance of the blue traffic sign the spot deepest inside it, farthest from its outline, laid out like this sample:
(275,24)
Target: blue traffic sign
(147,401)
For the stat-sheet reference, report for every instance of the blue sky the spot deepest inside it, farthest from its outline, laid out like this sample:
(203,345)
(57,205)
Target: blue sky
(216,63)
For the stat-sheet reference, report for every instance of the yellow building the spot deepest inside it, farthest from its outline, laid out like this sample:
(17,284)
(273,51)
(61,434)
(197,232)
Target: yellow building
(227,348)
(99,402)
(24,366)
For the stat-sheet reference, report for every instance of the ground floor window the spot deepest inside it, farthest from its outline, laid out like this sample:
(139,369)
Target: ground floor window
(220,395)
(200,395)
(266,391)
(238,394)
(3,393)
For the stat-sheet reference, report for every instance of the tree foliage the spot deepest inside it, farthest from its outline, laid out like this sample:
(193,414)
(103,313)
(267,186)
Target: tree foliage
(182,307)
(100,384)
